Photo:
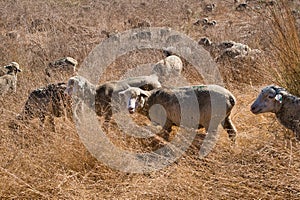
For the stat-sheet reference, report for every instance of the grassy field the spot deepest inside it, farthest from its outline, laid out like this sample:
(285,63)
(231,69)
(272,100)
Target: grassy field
(36,163)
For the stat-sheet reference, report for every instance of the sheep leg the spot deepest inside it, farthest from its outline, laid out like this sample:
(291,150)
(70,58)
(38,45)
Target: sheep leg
(70,114)
(77,109)
(167,128)
(297,135)
(42,121)
(108,115)
(230,128)
(210,138)
(52,123)
(208,143)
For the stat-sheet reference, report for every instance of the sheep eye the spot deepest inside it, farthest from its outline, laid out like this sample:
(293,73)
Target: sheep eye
(270,97)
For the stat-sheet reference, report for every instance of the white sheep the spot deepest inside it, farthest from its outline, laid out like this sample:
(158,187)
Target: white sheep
(179,103)
(82,92)
(104,97)
(286,106)
(233,50)
(8,82)
(168,67)
(48,101)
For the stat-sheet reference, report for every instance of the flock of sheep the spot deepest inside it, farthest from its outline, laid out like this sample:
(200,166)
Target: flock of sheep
(140,94)
(228,50)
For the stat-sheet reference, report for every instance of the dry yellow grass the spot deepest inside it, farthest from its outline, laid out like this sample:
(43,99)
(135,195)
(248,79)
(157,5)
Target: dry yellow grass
(36,163)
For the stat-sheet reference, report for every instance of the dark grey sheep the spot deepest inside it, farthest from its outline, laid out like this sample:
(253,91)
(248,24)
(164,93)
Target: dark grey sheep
(60,69)
(49,101)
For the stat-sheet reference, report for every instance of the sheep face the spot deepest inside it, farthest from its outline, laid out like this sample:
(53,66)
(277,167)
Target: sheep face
(70,87)
(75,84)
(205,42)
(267,101)
(135,98)
(13,68)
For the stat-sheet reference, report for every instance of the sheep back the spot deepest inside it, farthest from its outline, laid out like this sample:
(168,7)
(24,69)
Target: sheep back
(289,113)
(46,101)
(170,99)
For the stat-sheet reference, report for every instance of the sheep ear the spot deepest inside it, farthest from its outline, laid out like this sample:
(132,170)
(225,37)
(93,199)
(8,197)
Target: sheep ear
(278,98)
(145,93)
(122,93)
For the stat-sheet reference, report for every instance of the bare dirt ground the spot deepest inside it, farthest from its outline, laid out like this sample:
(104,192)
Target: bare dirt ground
(36,163)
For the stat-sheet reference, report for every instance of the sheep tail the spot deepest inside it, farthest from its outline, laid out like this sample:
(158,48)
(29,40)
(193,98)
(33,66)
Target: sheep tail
(232,100)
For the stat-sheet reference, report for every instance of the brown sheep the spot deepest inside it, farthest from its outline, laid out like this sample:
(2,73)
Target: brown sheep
(49,101)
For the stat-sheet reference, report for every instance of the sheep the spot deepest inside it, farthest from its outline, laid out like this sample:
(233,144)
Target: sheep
(48,101)
(8,82)
(200,22)
(278,100)
(168,67)
(210,7)
(204,41)
(106,94)
(231,44)
(233,50)
(82,91)
(242,7)
(209,117)
(212,23)
(61,68)
(228,53)
(4,69)
(137,23)
(205,23)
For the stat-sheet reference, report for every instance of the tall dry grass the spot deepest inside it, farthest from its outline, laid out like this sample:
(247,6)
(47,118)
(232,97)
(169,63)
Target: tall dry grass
(285,46)
(36,163)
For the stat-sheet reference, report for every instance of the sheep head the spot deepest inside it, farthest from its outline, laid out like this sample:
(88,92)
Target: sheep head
(135,98)
(269,100)
(13,67)
(75,85)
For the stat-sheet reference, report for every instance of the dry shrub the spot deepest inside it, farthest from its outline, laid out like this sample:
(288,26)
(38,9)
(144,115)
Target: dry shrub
(285,45)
